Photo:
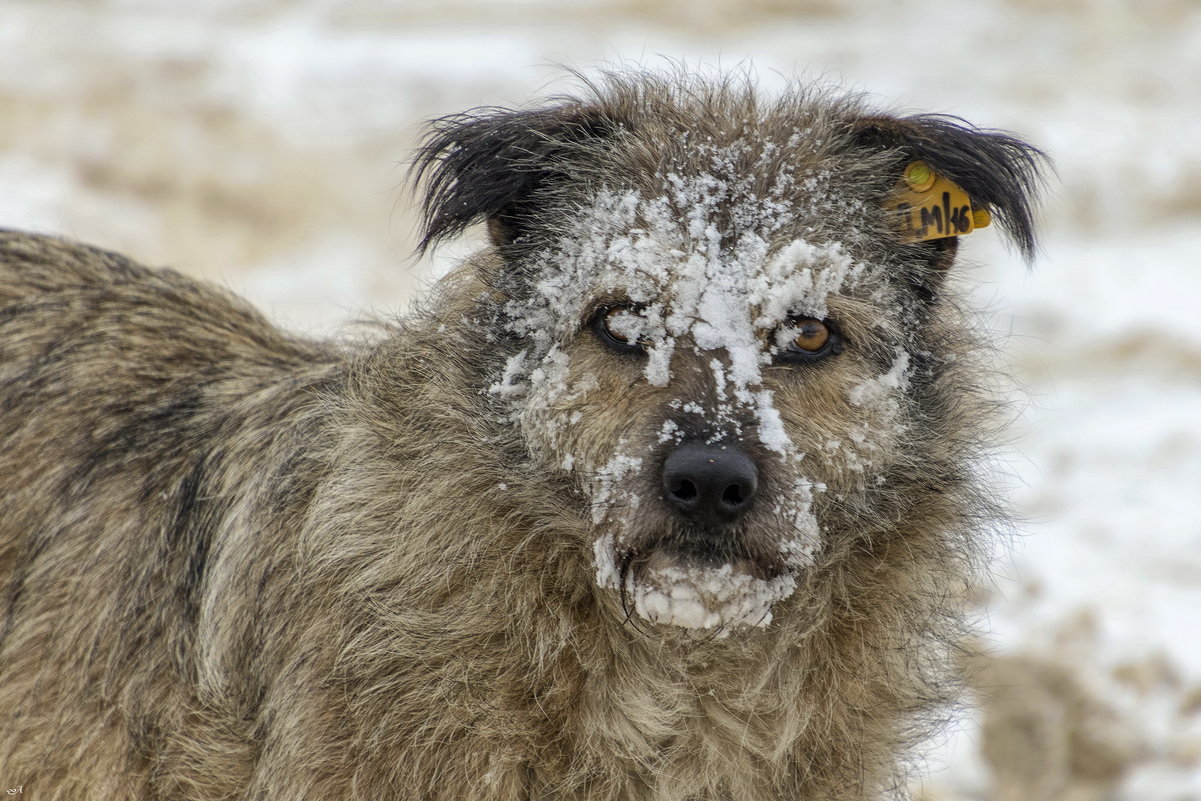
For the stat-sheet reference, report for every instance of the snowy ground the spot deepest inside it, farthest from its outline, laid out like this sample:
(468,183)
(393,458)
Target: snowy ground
(259,143)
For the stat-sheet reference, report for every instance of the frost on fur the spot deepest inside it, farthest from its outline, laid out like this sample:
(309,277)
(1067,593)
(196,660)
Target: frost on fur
(722,295)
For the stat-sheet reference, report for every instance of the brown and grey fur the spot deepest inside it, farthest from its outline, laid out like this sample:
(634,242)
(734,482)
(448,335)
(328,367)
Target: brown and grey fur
(237,564)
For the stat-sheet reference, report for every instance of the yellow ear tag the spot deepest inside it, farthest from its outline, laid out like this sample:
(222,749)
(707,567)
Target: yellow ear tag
(931,206)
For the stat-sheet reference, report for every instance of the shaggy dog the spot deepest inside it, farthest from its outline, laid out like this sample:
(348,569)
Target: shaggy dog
(668,493)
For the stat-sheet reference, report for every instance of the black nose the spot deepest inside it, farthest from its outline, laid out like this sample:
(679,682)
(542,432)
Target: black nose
(710,483)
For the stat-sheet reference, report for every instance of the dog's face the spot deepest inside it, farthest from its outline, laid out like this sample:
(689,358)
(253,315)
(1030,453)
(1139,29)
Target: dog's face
(702,391)
(714,334)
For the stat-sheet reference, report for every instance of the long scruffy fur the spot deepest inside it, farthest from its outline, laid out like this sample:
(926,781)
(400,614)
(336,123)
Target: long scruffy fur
(235,564)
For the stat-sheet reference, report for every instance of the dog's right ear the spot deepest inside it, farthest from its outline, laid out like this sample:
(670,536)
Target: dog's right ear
(496,165)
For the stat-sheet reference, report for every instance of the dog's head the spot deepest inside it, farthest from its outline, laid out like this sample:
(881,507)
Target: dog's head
(717,331)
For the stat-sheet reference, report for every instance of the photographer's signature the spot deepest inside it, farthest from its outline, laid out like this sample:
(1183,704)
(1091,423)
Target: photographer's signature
(17,790)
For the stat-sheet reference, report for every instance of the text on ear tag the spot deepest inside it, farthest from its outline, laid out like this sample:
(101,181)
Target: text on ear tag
(931,206)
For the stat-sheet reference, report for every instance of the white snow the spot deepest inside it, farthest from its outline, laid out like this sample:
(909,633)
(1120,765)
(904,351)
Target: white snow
(508,385)
(882,388)
(687,285)
(691,284)
(707,598)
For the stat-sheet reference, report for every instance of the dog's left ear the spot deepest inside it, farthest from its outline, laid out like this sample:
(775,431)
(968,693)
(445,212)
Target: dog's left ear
(497,165)
(1000,173)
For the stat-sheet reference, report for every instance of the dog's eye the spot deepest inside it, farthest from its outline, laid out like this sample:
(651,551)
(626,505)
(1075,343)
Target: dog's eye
(621,328)
(807,339)
(810,336)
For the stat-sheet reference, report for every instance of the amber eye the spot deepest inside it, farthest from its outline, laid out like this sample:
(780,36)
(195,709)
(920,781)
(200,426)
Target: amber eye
(618,327)
(810,336)
(807,339)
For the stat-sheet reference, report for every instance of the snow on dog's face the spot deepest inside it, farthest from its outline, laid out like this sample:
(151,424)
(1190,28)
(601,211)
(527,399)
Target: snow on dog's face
(715,326)
(654,330)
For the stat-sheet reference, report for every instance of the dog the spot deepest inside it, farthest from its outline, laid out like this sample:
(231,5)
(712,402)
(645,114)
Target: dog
(670,492)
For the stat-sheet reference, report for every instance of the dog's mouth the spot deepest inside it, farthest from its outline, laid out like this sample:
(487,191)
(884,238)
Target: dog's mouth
(667,586)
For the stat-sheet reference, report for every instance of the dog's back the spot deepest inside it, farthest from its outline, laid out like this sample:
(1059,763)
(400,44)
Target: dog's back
(115,383)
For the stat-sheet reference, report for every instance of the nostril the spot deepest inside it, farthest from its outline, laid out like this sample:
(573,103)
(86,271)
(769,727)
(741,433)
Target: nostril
(685,490)
(734,496)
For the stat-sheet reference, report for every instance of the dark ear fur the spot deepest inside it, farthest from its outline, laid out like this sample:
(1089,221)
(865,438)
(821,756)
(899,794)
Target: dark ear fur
(997,170)
(490,163)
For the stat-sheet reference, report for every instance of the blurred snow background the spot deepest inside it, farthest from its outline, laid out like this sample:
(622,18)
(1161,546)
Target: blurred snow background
(260,143)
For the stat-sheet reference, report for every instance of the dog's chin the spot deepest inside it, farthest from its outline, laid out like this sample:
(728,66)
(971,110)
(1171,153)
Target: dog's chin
(670,589)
